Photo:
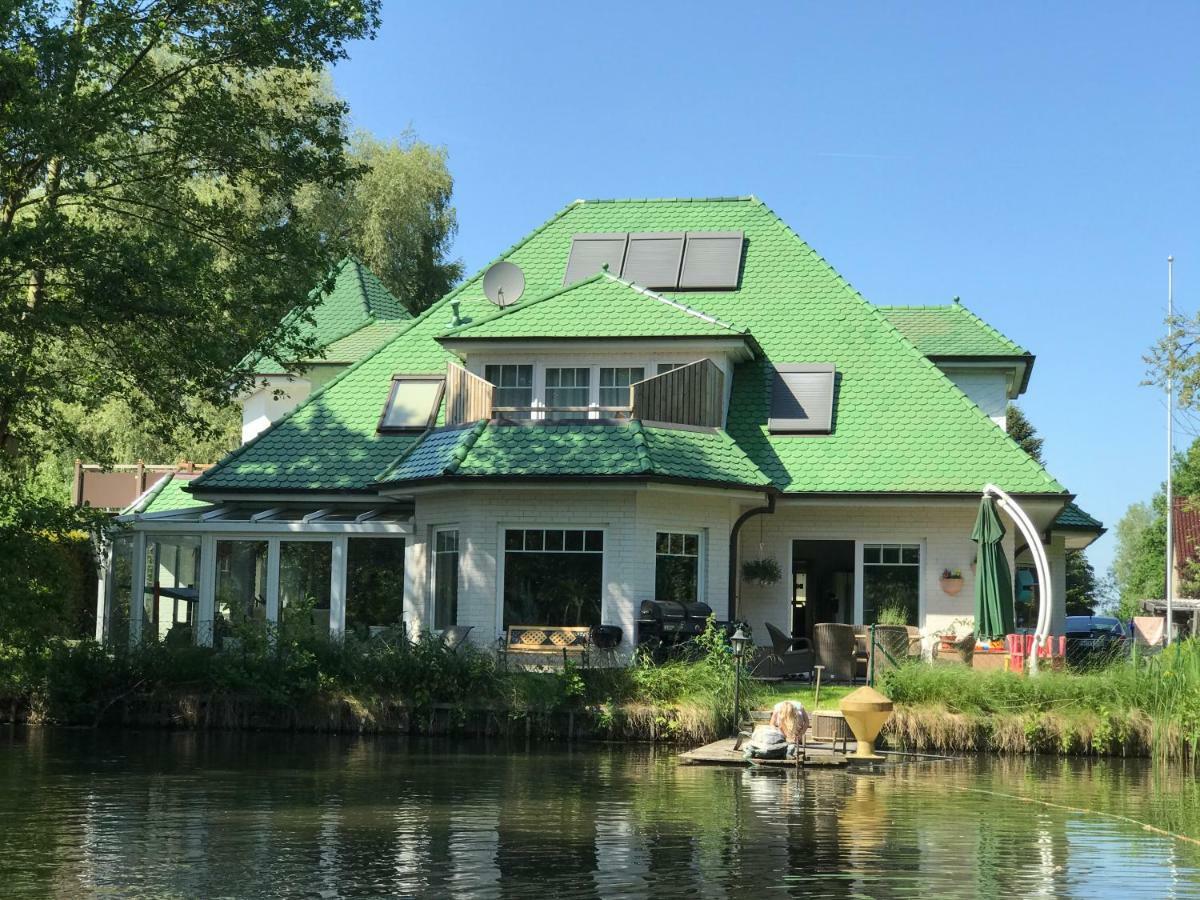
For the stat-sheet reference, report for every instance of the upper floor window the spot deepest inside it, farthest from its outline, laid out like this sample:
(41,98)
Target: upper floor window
(802,399)
(568,392)
(413,403)
(514,386)
(615,393)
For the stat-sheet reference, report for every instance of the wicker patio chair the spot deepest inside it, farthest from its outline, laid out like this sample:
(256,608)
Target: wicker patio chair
(835,646)
(786,658)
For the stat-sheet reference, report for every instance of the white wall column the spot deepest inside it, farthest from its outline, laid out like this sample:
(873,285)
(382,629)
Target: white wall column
(271,589)
(104,588)
(858,583)
(206,605)
(337,588)
(137,589)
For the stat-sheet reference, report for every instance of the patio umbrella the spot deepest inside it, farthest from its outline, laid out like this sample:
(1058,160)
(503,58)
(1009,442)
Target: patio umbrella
(994,617)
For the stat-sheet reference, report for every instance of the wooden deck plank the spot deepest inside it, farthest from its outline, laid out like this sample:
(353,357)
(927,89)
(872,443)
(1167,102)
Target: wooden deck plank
(721,753)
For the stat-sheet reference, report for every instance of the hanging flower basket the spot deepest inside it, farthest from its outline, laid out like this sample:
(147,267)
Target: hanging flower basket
(764,571)
(952,582)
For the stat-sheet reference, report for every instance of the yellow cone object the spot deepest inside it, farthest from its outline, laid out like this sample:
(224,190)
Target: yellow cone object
(866,711)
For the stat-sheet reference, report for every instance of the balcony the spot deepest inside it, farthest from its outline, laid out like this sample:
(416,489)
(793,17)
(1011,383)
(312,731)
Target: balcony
(693,394)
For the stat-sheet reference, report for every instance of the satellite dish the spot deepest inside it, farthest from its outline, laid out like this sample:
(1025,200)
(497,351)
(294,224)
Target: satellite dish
(504,283)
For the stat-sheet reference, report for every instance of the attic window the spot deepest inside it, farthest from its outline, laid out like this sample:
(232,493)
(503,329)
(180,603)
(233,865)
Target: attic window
(802,399)
(653,259)
(711,260)
(413,403)
(591,252)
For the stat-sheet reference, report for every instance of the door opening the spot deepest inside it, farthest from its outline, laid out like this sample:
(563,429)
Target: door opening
(822,584)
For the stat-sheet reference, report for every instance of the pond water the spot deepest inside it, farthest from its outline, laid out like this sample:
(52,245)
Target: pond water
(152,814)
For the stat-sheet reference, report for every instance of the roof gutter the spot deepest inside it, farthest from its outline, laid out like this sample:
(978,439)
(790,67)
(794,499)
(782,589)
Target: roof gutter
(734,534)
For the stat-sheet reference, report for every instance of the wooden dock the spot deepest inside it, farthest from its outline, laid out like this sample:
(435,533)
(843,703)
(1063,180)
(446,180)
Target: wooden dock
(721,753)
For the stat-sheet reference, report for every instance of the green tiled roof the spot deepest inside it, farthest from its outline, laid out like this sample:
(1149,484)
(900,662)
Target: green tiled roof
(900,424)
(1074,517)
(602,306)
(360,343)
(576,449)
(357,298)
(950,330)
(166,494)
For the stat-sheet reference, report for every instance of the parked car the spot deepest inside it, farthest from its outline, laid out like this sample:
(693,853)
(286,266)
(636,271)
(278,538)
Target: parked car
(1093,640)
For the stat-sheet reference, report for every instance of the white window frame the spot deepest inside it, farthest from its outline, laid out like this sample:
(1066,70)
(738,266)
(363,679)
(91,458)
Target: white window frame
(502,554)
(434,531)
(701,557)
(860,566)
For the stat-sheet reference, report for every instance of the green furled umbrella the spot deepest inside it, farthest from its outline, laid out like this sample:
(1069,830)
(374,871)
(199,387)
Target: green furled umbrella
(994,616)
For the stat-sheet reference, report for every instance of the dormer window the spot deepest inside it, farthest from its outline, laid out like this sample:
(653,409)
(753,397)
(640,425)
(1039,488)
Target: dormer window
(802,399)
(412,404)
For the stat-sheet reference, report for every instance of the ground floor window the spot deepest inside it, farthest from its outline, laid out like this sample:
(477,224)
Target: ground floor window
(241,585)
(891,583)
(305,574)
(677,566)
(374,584)
(553,576)
(1026,597)
(445,578)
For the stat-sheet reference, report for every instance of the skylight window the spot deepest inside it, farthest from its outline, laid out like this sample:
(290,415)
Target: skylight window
(413,403)
(802,399)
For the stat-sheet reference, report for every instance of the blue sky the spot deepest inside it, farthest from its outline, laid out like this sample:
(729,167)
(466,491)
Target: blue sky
(1040,161)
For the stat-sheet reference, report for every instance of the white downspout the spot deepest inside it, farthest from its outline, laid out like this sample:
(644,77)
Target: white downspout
(1040,562)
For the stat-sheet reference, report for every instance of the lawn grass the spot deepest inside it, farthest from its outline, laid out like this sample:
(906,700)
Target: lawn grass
(771,693)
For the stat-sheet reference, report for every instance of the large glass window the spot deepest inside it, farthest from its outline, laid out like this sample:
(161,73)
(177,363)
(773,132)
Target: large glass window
(677,566)
(664,368)
(514,387)
(445,578)
(1026,597)
(374,585)
(553,576)
(614,387)
(568,388)
(241,585)
(891,581)
(118,613)
(305,571)
(413,403)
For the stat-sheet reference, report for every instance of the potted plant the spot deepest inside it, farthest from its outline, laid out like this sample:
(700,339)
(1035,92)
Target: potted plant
(949,640)
(765,571)
(952,581)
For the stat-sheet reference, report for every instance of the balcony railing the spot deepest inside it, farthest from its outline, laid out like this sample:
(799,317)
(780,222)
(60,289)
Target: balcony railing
(690,395)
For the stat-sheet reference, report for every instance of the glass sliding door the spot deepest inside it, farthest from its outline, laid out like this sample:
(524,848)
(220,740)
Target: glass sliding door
(172,588)
(241,586)
(305,572)
(374,585)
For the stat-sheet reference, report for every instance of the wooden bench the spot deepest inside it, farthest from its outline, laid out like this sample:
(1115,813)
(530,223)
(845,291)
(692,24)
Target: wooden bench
(541,640)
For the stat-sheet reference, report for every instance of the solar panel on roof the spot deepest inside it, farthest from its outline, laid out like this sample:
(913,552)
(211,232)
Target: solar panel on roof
(802,399)
(712,260)
(590,253)
(653,259)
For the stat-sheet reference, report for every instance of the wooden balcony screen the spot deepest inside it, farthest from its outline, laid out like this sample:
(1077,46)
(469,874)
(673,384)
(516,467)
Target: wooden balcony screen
(468,397)
(690,395)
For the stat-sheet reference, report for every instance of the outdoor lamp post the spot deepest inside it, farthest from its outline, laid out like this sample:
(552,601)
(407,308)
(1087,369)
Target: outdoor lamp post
(739,641)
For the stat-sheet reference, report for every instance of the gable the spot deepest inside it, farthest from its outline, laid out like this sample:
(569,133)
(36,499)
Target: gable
(901,425)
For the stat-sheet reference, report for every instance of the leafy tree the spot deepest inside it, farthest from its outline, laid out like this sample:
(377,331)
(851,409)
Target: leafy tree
(1081,577)
(1128,573)
(149,236)
(397,218)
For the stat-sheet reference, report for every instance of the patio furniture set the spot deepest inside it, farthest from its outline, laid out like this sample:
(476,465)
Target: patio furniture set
(844,650)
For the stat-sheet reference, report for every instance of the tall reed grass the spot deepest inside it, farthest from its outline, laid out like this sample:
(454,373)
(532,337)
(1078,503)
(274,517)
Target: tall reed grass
(1145,704)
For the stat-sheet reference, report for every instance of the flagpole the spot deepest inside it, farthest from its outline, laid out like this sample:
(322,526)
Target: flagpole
(1170,592)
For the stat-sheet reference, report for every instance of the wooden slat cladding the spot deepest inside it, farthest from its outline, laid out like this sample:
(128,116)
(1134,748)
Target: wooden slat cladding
(690,395)
(468,397)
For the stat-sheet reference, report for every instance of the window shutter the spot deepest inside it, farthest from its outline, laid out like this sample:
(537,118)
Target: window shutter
(653,259)
(589,253)
(802,399)
(712,260)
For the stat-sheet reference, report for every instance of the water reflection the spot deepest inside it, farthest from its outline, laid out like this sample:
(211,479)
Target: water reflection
(195,815)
